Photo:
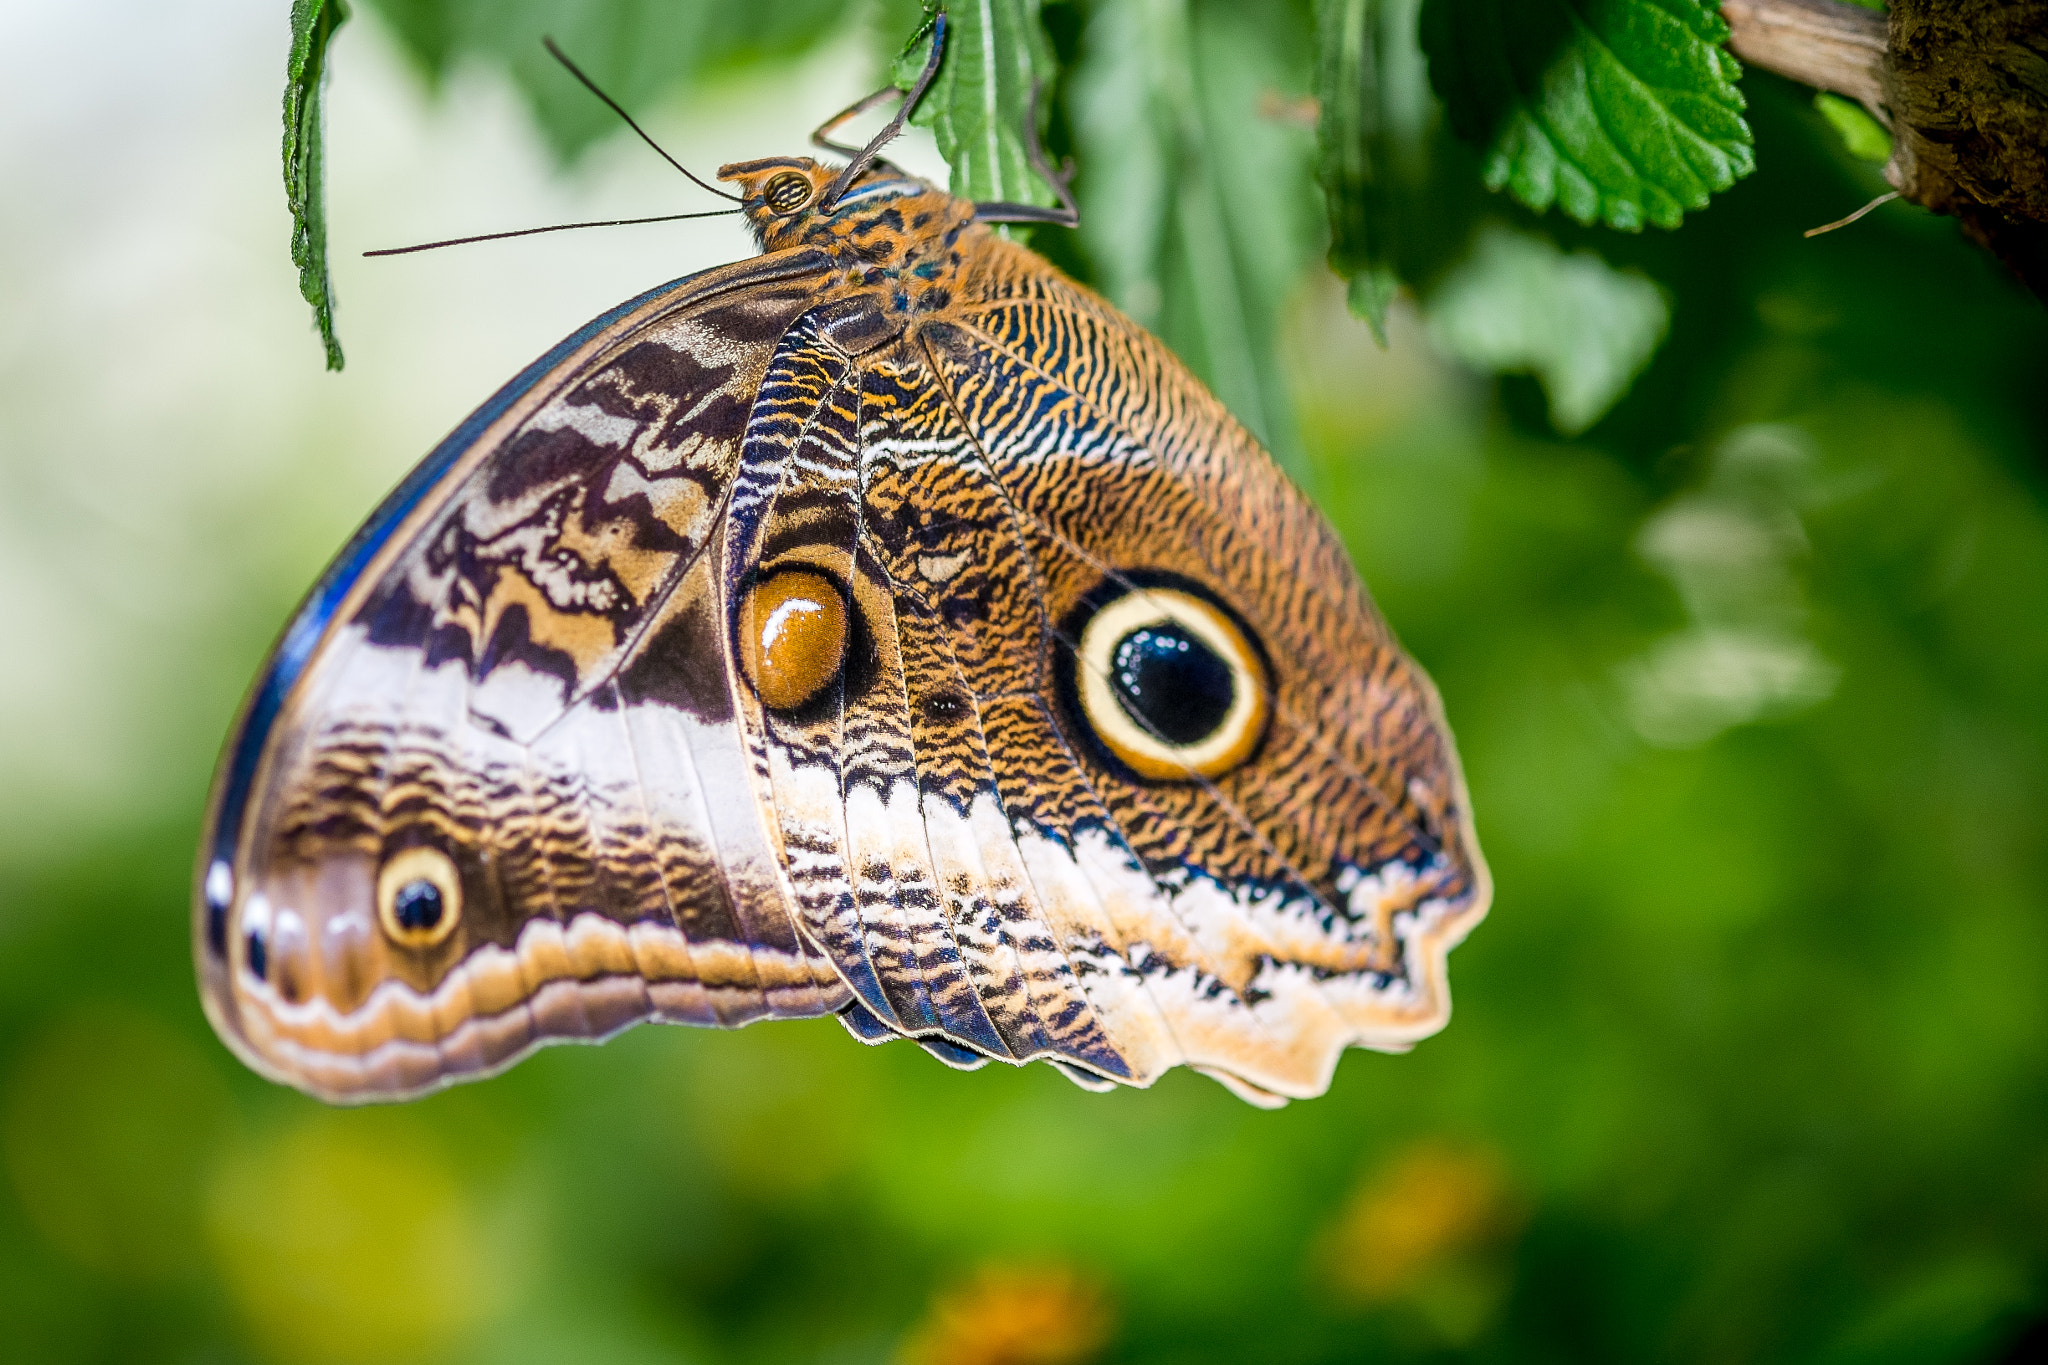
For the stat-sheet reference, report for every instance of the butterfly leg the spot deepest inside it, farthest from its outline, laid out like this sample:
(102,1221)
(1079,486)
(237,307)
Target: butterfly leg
(1068,214)
(821,136)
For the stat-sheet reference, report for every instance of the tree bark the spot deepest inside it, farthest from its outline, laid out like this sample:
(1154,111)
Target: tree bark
(1967,82)
(1963,86)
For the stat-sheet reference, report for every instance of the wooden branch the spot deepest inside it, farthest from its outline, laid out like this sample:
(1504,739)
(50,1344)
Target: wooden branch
(1823,43)
(1967,85)
(1961,84)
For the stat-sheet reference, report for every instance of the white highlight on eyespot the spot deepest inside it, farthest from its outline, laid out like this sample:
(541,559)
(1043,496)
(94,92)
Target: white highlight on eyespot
(780,618)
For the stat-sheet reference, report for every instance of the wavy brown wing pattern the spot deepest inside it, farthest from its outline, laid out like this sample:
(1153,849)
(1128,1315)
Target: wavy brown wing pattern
(885,626)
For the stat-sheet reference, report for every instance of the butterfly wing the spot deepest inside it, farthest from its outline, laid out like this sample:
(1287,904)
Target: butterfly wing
(756,655)
(1034,467)
(454,822)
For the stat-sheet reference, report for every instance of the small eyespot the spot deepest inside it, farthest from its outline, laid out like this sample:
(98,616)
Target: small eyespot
(419,897)
(787,192)
(944,707)
(792,637)
(1170,685)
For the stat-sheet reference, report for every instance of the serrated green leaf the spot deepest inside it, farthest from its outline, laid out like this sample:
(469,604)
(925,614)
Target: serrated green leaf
(980,101)
(1618,111)
(313,26)
(1583,328)
(1862,136)
(1198,209)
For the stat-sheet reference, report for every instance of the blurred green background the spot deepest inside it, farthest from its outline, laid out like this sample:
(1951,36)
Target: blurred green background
(1750,1062)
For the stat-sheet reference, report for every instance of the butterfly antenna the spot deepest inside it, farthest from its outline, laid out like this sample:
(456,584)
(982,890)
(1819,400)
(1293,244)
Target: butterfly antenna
(614,106)
(895,125)
(558,227)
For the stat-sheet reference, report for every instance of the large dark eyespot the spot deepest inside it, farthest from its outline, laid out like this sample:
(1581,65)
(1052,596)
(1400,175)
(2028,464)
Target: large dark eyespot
(1171,682)
(419,897)
(793,632)
(1170,685)
(787,192)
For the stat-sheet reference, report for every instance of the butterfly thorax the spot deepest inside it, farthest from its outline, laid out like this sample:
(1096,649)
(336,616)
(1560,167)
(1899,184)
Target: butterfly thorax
(888,232)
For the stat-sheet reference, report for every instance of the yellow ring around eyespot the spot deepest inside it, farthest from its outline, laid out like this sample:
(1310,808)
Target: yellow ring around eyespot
(421,863)
(1144,752)
(792,637)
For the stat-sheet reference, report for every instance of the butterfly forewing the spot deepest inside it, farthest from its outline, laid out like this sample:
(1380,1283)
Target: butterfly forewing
(467,694)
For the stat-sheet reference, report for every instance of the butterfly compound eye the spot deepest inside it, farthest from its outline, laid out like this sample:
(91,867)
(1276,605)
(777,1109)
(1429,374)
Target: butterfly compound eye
(419,897)
(1170,685)
(787,192)
(793,637)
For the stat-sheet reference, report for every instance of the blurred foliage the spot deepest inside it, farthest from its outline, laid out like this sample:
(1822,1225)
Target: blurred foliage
(1863,135)
(1355,145)
(638,50)
(1750,1061)
(1202,195)
(1580,326)
(1198,212)
(1199,188)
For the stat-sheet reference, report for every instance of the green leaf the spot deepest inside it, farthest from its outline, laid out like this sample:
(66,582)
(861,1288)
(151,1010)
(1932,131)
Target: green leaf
(1620,111)
(313,26)
(979,103)
(1352,154)
(1197,201)
(1863,136)
(1582,327)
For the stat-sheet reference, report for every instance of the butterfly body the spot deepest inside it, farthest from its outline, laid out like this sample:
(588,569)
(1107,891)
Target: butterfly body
(884,626)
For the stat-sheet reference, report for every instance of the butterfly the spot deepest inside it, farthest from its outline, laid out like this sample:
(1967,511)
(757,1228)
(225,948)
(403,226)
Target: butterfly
(884,626)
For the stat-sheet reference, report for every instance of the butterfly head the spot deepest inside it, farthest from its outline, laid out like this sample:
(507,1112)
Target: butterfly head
(883,218)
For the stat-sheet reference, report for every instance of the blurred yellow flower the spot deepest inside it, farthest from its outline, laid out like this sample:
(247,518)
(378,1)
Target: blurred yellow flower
(1429,1206)
(1045,1315)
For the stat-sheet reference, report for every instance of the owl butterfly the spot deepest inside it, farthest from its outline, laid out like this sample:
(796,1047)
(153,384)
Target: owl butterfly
(884,626)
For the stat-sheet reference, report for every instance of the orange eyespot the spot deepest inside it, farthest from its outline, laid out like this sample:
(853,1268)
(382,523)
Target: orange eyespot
(787,192)
(792,637)
(419,897)
(1169,684)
